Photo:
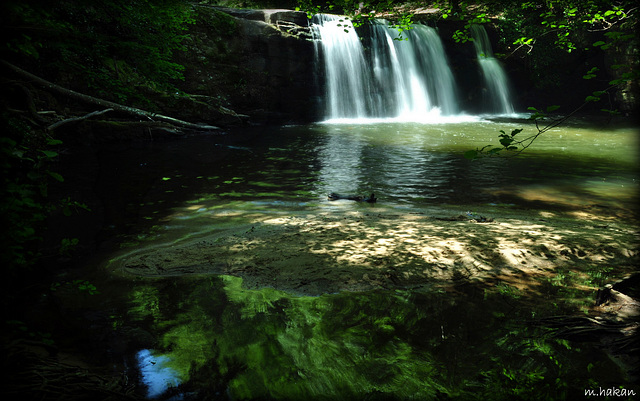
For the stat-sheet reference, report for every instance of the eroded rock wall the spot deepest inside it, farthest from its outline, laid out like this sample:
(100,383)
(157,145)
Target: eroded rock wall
(257,64)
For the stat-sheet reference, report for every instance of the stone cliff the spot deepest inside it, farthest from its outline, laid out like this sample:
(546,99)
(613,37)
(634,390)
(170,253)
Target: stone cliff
(254,65)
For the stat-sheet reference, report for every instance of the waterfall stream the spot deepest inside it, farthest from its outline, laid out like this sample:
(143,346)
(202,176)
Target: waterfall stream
(389,77)
(349,88)
(382,75)
(497,94)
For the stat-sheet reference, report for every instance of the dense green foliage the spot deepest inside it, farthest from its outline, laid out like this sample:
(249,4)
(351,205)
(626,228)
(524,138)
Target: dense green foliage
(118,50)
(113,48)
(24,172)
(544,32)
(27,169)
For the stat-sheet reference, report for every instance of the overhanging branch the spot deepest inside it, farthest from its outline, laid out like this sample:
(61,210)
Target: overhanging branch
(104,103)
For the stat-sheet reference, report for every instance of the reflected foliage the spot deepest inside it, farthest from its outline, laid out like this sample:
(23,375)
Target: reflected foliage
(266,344)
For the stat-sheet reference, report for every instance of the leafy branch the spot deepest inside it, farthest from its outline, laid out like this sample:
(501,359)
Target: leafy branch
(564,18)
(514,146)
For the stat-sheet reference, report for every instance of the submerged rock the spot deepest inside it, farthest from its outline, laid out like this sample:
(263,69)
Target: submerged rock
(370,199)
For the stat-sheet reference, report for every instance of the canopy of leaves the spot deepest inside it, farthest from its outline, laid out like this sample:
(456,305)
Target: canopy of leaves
(108,47)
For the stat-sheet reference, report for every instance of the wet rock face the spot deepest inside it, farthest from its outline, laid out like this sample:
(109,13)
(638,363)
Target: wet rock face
(282,64)
(255,62)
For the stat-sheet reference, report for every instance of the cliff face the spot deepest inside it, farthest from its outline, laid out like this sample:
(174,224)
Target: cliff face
(258,63)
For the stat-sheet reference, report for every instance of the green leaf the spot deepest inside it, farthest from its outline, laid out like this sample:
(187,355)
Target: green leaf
(552,108)
(49,153)
(599,43)
(506,141)
(56,176)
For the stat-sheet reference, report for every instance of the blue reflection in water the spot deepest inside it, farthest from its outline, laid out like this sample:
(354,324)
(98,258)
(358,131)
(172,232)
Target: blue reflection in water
(155,375)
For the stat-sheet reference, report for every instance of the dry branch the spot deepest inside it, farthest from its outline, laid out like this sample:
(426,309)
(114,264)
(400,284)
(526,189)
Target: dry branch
(69,120)
(104,103)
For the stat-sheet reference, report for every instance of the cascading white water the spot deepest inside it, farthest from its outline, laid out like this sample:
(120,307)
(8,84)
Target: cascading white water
(496,80)
(405,79)
(422,80)
(348,84)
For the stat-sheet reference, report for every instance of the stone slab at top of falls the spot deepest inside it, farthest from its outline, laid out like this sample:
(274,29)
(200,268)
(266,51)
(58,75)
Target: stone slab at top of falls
(270,16)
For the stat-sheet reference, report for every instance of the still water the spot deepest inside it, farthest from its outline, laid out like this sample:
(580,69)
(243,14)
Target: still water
(268,170)
(219,340)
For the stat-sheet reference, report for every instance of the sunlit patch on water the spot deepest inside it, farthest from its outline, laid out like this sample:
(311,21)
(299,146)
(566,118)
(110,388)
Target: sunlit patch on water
(594,199)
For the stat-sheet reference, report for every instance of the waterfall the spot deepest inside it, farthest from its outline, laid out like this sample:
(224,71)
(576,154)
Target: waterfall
(495,79)
(405,79)
(349,91)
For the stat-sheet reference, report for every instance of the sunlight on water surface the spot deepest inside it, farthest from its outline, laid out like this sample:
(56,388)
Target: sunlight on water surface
(209,183)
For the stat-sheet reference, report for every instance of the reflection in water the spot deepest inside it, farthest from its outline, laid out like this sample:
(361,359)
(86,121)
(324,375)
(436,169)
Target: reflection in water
(416,172)
(414,165)
(155,374)
(267,344)
(341,163)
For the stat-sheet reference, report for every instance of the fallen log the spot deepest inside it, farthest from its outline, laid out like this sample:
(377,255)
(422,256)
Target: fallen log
(74,119)
(615,328)
(104,103)
(370,199)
